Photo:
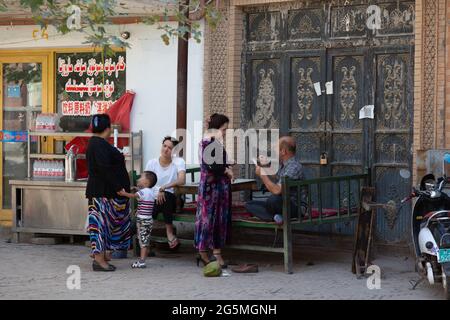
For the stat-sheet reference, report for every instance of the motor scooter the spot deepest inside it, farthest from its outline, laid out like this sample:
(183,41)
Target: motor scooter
(431,228)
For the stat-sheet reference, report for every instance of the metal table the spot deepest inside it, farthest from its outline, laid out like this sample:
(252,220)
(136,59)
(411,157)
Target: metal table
(53,207)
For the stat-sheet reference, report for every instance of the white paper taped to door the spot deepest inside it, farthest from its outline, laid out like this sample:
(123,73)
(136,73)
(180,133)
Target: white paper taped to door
(329,87)
(318,88)
(367,112)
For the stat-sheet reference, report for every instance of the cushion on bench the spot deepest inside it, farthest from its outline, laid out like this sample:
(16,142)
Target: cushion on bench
(240,213)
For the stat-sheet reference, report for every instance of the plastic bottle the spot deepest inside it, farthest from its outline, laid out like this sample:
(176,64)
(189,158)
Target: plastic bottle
(61,170)
(45,169)
(34,169)
(38,168)
(52,169)
(41,169)
(57,170)
(116,134)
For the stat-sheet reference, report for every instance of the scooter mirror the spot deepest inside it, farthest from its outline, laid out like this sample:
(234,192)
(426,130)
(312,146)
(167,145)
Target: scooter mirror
(446,165)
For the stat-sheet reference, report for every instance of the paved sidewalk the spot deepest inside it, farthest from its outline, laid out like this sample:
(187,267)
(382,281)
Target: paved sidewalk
(39,272)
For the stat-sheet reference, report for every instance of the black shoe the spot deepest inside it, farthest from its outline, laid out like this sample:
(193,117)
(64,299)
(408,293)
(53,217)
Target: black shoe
(97,267)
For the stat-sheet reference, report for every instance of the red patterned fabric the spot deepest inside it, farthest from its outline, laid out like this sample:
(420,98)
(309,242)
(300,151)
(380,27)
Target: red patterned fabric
(239,213)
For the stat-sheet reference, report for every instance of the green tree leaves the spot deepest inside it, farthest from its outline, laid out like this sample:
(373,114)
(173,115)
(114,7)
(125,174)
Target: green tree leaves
(96,15)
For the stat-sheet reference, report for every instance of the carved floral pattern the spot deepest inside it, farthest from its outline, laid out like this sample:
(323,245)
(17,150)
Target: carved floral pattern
(305,94)
(303,25)
(391,215)
(265,28)
(398,19)
(348,93)
(394,107)
(265,101)
(349,20)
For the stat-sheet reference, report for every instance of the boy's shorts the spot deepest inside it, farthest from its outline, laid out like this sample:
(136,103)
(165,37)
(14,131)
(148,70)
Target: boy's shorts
(144,231)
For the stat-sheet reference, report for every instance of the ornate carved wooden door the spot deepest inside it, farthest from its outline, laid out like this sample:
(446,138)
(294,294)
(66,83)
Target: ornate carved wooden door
(346,135)
(290,47)
(391,138)
(305,115)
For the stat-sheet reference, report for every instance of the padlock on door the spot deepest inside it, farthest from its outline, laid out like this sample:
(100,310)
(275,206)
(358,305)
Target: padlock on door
(323,158)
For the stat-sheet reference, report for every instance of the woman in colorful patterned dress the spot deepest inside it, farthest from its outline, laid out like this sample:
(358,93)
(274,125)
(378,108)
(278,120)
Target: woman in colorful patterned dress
(109,213)
(213,216)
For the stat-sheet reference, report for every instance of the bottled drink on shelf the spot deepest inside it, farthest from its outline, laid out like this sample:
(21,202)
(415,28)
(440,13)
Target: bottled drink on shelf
(48,169)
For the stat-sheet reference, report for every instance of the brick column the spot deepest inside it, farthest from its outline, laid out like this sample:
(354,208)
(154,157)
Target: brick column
(418,159)
(216,65)
(447,82)
(236,30)
(441,75)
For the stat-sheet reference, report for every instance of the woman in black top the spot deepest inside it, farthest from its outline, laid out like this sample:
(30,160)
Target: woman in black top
(109,214)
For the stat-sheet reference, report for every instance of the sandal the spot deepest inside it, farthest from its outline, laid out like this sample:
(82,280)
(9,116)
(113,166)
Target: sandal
(218,257)
(246,268)
(174,243)
(204,262)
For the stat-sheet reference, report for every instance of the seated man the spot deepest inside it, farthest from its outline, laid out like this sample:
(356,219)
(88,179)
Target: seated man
(272,208)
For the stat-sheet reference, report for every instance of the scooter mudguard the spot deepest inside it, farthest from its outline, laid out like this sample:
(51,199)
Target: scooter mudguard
(427,243)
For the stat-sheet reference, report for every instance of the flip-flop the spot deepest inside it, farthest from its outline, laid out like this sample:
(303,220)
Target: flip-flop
(174,243)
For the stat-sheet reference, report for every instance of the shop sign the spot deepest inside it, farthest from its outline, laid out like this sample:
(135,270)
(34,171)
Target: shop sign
(85,108)
(13,91)
(13,136)
(87,85)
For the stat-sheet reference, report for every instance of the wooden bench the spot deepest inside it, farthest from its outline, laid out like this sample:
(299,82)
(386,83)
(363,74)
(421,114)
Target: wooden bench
(329,200)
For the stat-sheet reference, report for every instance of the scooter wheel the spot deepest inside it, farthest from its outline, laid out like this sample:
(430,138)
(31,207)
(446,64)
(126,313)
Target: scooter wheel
(446,283)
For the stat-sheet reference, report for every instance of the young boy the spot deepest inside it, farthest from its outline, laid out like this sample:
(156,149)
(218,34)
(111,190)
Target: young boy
(144,218)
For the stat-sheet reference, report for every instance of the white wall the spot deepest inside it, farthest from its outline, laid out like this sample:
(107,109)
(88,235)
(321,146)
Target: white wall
(151,73)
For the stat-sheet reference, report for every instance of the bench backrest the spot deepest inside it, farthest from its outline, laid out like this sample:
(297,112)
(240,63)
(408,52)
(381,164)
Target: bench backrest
(192,172)
(338,196)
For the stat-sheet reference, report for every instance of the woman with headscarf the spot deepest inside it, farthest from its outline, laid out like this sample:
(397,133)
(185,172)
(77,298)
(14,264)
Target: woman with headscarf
(109,213)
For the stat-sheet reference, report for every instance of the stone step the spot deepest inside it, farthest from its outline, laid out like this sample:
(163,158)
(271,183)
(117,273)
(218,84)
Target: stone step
(45,240)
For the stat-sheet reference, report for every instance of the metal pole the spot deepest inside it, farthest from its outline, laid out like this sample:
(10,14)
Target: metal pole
(182,74)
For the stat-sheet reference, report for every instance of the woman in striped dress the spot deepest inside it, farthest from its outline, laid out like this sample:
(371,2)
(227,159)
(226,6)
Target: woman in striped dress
(213,217)
(109,213)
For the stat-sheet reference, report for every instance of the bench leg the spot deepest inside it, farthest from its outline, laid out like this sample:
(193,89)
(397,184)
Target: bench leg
(287,246)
